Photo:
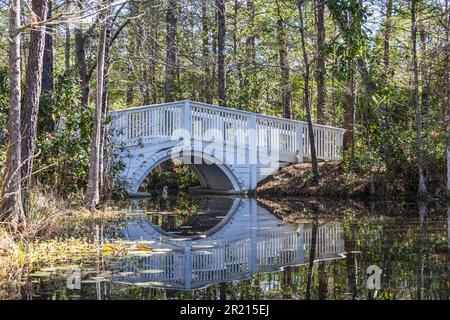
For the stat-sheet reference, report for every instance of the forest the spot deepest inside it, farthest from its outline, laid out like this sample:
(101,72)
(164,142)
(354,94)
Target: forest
(379,69)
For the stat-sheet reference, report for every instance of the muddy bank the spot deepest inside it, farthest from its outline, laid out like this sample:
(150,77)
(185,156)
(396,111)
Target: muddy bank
(297,180)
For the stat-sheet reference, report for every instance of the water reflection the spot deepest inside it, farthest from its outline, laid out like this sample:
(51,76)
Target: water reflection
(240,248)
(247,240)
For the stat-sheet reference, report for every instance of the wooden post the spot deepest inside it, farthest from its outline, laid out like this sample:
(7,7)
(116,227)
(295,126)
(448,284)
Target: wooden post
(340,146)
(253,152)
(253,235)
(299,138)
(187,266)
(116,126)
(187,117)
(301,245)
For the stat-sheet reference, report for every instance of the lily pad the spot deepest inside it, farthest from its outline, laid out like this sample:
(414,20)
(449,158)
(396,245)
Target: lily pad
(40,274)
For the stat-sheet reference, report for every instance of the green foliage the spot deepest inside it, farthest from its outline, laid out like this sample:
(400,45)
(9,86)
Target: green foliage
(64,154)
(364,161)
(176,177)
(350,16)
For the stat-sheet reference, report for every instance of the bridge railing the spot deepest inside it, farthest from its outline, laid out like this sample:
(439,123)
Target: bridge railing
(147,123)
(289,138)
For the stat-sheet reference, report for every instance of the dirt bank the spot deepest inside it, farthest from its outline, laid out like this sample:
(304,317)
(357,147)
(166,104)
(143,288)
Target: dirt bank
(296,180)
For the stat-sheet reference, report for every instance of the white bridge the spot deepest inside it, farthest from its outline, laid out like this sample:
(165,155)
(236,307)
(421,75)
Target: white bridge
(247,240)
(229,150)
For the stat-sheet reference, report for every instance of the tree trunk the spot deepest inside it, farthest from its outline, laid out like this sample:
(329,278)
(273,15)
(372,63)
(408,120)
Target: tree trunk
(153,46)
(171,57)
(47,74)
(131,56)
(251,50)
(146,87)
(286,283)
(425,74)
(284,65)
(250,101)
(67,48)
(206,88)
(421,186)
(47,68)
(92,192)
(423,210)
(315,166)
(321,69)
(323,280)
(103,133)
(130,80)
(382,118)
(32,96)
(221,31)
(312,251)
(11,198)
(350,260)
(136,48)
(387,38)
(83,73)
(447,68)
(349,116)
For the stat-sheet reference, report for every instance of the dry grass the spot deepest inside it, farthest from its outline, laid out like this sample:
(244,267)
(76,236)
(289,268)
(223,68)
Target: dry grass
(18,258)
(56,233)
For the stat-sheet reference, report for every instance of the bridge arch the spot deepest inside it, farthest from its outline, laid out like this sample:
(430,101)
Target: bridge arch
(211,173)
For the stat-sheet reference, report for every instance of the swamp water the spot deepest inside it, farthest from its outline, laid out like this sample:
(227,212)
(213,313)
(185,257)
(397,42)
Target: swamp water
(242,248)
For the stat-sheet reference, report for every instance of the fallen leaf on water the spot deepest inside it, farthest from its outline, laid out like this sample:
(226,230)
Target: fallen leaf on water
(108,249)
(143,247)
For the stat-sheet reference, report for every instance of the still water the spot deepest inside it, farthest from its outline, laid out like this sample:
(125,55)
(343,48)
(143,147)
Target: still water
(243,248)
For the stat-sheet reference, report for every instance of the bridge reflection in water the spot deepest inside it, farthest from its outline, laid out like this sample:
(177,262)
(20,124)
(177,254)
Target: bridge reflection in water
(247,240)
